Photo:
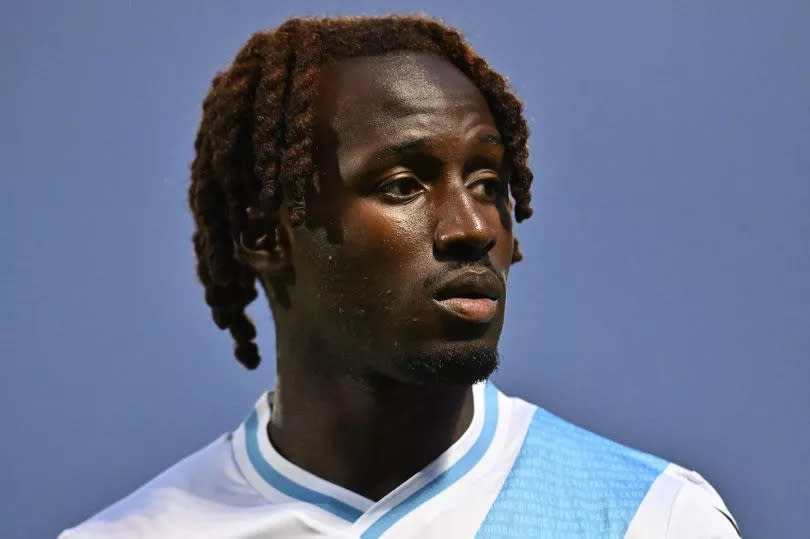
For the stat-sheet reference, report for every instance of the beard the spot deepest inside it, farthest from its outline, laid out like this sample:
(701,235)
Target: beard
(458,365)
(451,364)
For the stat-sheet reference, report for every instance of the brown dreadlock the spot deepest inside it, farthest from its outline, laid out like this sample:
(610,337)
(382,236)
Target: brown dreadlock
(254,145)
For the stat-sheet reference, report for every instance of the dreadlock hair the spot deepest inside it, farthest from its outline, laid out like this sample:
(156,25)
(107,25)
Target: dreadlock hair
(254,144)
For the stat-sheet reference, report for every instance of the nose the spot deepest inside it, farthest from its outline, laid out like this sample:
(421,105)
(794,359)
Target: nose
(462,230)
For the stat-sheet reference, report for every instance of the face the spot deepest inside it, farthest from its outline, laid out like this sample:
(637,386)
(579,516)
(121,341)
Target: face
(400,271)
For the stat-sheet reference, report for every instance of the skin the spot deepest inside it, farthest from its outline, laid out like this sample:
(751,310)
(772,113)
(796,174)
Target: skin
(410,188)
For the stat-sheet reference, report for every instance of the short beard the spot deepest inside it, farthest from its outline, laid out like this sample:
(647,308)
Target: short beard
(459,365)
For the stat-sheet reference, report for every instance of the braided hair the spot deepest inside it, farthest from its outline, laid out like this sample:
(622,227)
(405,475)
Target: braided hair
(254,144)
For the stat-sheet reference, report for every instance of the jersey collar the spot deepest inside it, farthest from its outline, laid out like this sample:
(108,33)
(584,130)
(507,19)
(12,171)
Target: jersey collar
(281,481)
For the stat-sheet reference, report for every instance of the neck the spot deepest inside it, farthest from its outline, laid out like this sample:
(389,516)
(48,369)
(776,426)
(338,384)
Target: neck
(367,438)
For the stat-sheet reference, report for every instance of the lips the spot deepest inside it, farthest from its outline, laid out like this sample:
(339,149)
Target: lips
(470,295)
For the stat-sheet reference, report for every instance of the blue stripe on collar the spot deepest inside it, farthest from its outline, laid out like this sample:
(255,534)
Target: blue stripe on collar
(449,476)
(287,486)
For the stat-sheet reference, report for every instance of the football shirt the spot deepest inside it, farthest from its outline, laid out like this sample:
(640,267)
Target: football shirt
(517,471)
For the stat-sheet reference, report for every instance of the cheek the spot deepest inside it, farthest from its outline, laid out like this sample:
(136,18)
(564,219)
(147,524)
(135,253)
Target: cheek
(505,249)
(367,283)
(385,257)
(386,239)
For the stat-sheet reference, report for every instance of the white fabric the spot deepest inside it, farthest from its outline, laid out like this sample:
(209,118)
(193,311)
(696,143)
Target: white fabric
(218,492)
(440,518)
(682,505)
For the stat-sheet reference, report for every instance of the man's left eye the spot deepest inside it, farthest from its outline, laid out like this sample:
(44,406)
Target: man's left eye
(487,188)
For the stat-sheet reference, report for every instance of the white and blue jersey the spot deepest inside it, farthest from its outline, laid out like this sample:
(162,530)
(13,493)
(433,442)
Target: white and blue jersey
(517,471)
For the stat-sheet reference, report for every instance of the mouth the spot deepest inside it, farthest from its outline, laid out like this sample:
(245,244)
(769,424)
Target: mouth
(471,296)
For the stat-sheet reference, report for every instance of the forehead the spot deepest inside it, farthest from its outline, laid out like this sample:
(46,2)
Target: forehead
(381,96)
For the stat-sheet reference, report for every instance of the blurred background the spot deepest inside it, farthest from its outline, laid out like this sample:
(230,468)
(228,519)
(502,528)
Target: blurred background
(664,300)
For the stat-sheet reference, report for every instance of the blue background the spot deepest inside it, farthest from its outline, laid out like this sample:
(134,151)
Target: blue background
(664,300)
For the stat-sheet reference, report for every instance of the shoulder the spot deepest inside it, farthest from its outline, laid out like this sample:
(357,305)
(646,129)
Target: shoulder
(583,453)
(681,504)
(203,483)
(601,483)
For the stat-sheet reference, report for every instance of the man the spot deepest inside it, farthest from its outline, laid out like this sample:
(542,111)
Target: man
(365,172)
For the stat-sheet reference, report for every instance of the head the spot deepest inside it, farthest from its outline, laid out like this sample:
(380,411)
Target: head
(365,171)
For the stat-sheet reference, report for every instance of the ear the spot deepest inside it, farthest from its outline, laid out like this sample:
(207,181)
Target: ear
(265,243)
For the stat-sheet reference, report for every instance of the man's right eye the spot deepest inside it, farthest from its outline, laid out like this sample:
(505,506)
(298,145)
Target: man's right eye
(402,188)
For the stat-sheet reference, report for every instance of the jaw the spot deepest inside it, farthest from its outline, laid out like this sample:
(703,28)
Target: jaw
(445,363)
(458,364)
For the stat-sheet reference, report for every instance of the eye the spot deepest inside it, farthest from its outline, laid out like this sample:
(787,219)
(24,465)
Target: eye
(401,188)
(488,188)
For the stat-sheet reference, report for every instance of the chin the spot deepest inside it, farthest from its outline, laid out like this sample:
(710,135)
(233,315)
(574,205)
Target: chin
(453,363)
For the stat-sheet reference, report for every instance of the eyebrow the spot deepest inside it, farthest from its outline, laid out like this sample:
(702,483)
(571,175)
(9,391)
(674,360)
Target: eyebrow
(490,139)
(400,147)
(408,145)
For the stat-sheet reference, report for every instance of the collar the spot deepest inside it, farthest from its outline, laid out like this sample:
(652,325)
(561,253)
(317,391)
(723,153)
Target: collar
(281,481)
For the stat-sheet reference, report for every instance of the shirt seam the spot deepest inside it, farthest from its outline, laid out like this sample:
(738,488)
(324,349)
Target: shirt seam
(672,510)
